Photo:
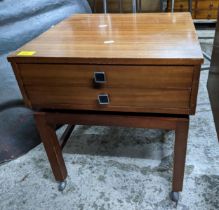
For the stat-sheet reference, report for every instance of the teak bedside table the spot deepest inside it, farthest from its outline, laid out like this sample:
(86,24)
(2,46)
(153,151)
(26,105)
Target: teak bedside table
(135,70)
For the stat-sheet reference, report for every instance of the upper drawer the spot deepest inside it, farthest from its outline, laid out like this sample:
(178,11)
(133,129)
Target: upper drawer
(209,4)
(182,4)
(168,77)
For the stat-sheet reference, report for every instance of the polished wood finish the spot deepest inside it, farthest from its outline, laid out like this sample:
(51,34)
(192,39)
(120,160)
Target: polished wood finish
(138,100)
(206,14)
(118,76)
(213,79)
(151,64)
(195,86)
(181,5)
(131,88)
(20,83)
(134,39)
(181,136)
(52,147)
(151,121)
(207,4)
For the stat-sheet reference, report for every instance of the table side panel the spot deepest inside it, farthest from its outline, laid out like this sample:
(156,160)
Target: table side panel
(19,79)
(195,86)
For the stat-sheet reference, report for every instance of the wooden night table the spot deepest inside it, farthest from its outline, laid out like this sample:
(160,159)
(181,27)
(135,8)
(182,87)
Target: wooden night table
(134,70)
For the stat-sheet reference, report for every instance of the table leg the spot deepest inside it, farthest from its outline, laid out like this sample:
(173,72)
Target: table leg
(134,6)
(105,6)
(172,6)
(46,123)
(181,134)
(190,6)
(52,146)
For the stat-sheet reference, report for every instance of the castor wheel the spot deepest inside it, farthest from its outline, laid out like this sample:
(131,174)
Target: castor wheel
(62,185)
(174,196)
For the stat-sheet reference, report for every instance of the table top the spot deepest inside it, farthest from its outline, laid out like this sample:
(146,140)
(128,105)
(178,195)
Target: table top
(152,38)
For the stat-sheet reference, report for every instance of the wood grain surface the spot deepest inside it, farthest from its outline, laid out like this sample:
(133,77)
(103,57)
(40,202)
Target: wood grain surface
(151,63)
(136,88)
(124,100)
(158,38)
(120,76)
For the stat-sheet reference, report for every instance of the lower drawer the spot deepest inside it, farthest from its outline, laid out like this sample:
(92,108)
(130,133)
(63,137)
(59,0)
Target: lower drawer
(206,14)
(120,99)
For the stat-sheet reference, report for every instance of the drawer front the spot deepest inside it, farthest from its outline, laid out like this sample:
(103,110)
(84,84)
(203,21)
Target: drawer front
(116,76)
(211,4)
(130,88)
(181,5)
(87,98)
(206,14)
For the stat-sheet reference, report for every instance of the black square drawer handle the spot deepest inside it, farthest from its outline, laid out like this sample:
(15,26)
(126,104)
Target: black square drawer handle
(103,99)
(99,77)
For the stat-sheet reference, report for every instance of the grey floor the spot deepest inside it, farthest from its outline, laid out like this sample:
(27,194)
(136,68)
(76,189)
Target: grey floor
(120,168)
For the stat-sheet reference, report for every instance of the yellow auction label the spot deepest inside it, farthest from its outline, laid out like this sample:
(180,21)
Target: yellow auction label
(26,53)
